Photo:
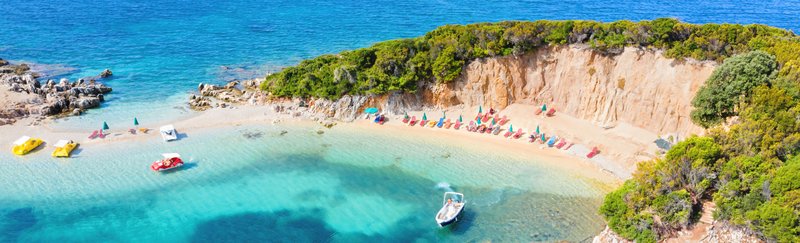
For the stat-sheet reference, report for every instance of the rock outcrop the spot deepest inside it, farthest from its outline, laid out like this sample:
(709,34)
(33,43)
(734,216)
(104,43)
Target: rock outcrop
(234,92)
(23,95)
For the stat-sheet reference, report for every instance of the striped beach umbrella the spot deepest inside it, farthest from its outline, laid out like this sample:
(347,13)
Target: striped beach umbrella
(105,126)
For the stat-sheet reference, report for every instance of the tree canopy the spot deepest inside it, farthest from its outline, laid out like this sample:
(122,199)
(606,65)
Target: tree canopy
(440,55)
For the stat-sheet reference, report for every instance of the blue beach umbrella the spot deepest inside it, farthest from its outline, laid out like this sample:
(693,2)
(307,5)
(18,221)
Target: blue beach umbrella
(459,119)
(443,115)
(135,122)
(537,129)
(544,107)
(479,121)
(424,116)
(543,138)
(493,122)
(480,109)
(511,128)
(105,126)
(371,110)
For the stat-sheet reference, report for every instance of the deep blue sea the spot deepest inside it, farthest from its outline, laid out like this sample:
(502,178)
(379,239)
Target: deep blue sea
(303,187)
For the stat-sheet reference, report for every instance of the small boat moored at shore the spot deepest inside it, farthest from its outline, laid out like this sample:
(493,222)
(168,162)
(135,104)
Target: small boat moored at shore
(64,148)
(25,144)
(170,161)
(168,133)
(452,207)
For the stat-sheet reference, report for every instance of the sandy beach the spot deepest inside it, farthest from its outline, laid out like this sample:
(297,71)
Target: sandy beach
(613,164)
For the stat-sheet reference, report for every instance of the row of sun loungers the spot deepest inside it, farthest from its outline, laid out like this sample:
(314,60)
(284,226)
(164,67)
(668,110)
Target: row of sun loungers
(496,127)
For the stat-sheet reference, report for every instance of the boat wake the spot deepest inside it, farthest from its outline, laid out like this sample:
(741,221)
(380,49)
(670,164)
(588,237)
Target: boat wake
(444,186)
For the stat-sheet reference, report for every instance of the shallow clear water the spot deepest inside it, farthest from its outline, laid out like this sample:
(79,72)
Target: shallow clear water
(334,186)
(341,186)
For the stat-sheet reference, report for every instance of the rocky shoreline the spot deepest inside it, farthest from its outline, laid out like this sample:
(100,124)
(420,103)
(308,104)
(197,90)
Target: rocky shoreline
(24,96)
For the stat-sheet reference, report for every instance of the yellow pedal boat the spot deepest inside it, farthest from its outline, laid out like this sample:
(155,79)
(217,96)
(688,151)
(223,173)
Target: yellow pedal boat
(25,144)
(64,148)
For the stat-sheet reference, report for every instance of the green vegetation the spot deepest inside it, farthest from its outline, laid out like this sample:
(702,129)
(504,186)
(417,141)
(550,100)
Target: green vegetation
(751,170)
(730,82)
(440,55)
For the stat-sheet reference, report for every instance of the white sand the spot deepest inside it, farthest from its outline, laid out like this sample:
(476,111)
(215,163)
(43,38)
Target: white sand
(604,168)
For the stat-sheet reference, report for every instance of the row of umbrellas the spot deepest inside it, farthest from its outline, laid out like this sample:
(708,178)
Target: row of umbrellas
(373,110)
(135,123)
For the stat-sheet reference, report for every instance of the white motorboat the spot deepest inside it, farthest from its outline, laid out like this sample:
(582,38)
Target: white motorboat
(453,206)
(168,133)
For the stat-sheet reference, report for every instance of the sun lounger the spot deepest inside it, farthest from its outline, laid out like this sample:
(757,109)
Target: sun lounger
(551,112)
(94,135)
(533,137)
(569,146)
(423,123)
(440,123)
(561,144)
(496,130)
(132,131)
(482,128)
(485,117)
(518,134)
(101,134)
(144,130)
(552,141)
(413,121)
(503,120)
(405,119)
(447,124)
(457,125)
(594,152)
(507,134)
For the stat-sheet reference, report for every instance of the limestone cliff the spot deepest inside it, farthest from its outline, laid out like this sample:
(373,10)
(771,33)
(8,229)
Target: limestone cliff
(639,87)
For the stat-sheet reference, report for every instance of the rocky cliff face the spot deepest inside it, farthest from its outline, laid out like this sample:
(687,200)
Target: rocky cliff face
(639,87)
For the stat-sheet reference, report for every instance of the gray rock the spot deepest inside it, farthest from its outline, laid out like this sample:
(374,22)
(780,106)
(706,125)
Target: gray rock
(87,102)
(106,73)
(76,112)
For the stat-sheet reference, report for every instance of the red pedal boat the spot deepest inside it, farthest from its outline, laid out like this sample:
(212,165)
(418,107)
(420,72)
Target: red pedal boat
(170,161)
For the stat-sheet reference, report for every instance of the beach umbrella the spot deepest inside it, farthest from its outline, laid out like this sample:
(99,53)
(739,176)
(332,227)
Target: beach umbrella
(135,122)
(459,119)
(544,107)
(479,121)
(511,128)
(480,109)
(543,138)
(105,126)
(424,116)
(493,122)
(537,129)
(443,115)
(371,110)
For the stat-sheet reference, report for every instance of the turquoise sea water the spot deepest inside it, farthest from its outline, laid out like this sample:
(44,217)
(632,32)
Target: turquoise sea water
(300,185)
(341,186)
